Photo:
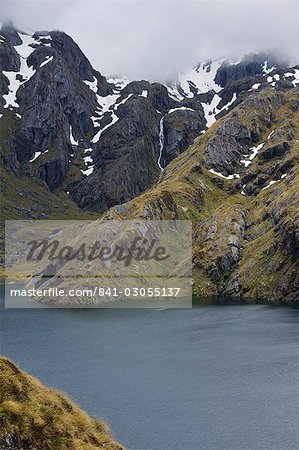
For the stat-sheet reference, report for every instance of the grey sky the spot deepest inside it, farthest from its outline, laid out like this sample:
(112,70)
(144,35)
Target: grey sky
(153,38)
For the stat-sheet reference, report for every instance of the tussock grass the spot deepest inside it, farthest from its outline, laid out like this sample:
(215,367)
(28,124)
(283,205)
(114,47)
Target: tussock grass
(38,418)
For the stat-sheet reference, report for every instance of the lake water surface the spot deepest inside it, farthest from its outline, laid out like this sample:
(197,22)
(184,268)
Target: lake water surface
(211,377)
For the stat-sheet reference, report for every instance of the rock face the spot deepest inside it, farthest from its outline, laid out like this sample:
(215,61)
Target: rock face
(250,65)
(104,142)
(245,238)
(218,146)
(70,127)
(180,128)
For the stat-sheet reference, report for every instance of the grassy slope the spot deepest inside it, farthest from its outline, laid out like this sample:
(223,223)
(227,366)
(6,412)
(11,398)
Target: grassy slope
(37,418)
(188,191)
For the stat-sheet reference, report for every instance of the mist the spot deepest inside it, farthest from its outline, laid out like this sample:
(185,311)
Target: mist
(152,40)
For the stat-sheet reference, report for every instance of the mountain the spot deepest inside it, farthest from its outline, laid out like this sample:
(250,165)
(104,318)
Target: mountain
(219,145)
(62,122)
(33,417)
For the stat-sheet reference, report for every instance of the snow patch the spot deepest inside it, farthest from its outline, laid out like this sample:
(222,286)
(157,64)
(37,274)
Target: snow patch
(229,177)
(269,137)
(182,108)
(87,159)
(202,77)
(243,192)
(72,139)
(267,69)
(93,85)
(211,109)
(96,138)
(123,101)
(255,86)
(47,60)
(36,155)
(270,184)
(88,171)
(16,79)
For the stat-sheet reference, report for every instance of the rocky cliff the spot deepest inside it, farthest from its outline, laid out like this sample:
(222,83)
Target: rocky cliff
(219,145)
(104,142)
(239,185)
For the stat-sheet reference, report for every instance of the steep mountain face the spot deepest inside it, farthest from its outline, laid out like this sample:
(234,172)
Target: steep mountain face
(104,142)
(66,125)
(34,418)
(219,146)
(239,185)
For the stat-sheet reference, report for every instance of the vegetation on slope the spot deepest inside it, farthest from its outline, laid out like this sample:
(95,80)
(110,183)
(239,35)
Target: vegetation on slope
(244,245)
(35,418)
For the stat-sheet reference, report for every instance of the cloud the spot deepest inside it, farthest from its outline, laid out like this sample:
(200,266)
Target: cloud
(152,39)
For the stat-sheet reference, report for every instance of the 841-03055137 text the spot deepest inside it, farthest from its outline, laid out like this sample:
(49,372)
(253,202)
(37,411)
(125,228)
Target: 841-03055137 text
(97,291)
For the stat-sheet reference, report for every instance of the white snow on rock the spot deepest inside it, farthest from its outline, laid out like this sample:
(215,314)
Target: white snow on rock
(296,75)
(24,50)
(267,69)
(105,103)
(270,184)
(47,60)
(254,151)
(255,86)
(36,155)
(122,102)
(72,139)
(225,107)
(274,181)
(246,162)
(269,137)
(88,162)
(182,108)
(202,77)
(96,138)
(144,94)
(211,110)
(87,159)
(88,171)
(93,85)
(229,177)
